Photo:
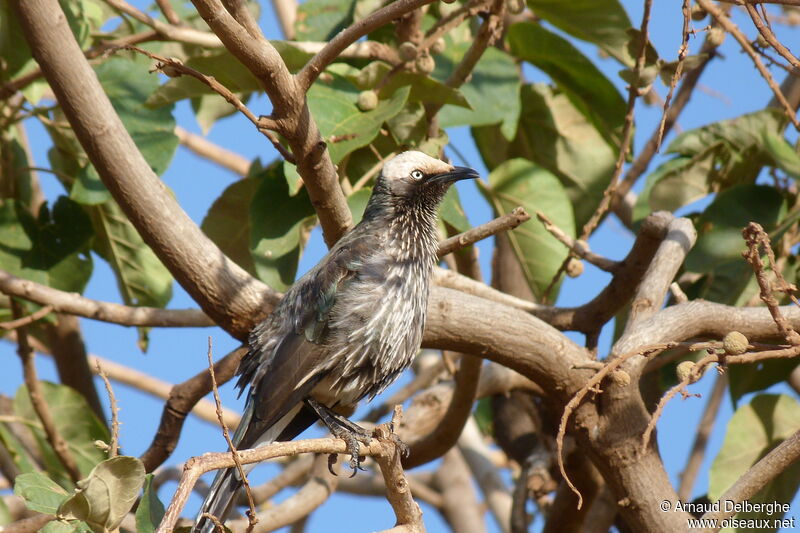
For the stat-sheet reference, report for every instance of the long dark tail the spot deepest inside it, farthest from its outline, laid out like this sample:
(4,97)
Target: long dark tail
(227,482)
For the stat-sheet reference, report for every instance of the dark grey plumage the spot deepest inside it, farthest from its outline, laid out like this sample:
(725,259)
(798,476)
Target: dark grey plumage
(346,329)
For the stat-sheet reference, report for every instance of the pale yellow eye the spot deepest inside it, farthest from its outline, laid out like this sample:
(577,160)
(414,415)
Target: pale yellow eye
(417,174)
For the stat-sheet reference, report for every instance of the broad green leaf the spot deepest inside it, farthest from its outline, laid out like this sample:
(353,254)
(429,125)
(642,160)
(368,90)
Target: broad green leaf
(357,202)
(40,493)
(74,420)
(720,225)
(128,84)
(13,47)
(586,87)
(208,109)
(752,432)
(452,212)
(50,249)
(784,154)
(744,379)
(279,223)
(492,92)
(65,526)
(713,158)
(15,174)
(88,188)
(554,134)
(150,510)
(519,182)
(602,22)
(719,247)
(106,495)
(342,125)
(320,20)
(141,277)
(227,222)
(424,88)
(19,453)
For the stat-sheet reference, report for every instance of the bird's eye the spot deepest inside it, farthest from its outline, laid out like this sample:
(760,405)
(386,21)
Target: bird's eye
(417,174)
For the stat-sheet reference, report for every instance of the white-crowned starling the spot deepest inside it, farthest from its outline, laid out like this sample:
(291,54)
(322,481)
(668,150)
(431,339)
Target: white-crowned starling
(346,329)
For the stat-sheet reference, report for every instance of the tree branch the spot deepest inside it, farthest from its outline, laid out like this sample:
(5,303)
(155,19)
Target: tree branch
(222,288)
(757,476)
(213,152)
(353,33)
(38,402)
(502,223)
(75,304)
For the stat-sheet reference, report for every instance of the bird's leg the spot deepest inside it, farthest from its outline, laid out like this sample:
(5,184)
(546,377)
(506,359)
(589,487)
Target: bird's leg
(342,428)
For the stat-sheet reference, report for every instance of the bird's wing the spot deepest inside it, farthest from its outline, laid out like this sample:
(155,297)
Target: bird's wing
(288,354)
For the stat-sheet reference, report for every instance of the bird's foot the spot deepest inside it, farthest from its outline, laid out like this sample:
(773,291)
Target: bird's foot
(342,428)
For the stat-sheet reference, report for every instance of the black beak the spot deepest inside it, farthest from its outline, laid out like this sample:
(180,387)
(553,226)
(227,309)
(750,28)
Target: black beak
(457,174)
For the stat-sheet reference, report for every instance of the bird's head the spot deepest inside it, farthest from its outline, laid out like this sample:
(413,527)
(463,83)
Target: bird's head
(416,177)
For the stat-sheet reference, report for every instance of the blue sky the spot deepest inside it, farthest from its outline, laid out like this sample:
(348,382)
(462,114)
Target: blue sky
(729,88)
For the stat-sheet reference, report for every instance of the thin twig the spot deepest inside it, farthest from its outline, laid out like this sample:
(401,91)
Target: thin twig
(34,386)
(755,238)
(113,446)
(213,152)
(766,33)
(734,30)
(26,320)
(578,247)
(197,466)
(627,137)
(676,76)
(699,368)
(251,513)
(591,385)
(218,88)
(502,223)
(354,32)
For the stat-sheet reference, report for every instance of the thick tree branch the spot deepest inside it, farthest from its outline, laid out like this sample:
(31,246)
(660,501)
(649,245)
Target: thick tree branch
(290,116)
(222,288)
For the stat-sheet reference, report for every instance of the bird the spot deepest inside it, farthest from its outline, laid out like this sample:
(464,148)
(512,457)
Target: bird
(347,328)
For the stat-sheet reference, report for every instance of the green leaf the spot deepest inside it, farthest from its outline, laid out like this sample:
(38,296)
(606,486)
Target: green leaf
(424,88)
(70,526)
(752,432)
(227,222)
(492,92)
(519,182)
(582,82)
(50,249)
(40,493)
(278,226)
(451,211)
(128,84)
(141,277)
(5,514)
(784,154)
(555,135)
(13,47)
(713,158)
(719,247)
(357,202)
(150,510)
(88,188)
(74,420)
(20,455)
(602,22)
(321,20)
(342,125)
(104,497)
(720,240)
(744,379)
